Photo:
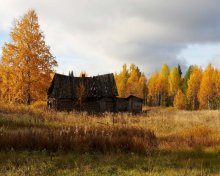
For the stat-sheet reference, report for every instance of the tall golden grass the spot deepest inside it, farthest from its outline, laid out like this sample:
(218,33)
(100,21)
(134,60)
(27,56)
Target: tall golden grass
(191,138)
(79,139)
(32,128)
(35,128)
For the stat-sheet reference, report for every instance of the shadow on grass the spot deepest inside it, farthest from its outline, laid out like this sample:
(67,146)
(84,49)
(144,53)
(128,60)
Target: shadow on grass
(116,163)
(12,124)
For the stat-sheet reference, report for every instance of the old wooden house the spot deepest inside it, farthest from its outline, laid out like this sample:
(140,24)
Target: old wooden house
(92,94)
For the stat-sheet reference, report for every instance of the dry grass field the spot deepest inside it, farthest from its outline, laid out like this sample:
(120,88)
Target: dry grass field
(34,141)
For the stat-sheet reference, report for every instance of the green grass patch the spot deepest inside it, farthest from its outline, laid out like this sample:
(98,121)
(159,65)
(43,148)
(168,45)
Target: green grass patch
(168,163)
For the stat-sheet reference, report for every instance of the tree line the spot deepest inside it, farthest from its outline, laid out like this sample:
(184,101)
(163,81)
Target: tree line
(197,89)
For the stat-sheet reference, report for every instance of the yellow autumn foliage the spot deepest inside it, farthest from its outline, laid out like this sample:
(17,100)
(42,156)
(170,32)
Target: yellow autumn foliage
(27,63)
(193,88)
(179,100)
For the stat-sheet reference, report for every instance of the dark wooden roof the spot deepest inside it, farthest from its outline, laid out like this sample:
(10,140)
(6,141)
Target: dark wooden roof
(100,86)
(130,96)
(137,98)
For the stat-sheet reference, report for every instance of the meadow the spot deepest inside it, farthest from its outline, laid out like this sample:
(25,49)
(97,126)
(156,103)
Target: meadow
(159,141)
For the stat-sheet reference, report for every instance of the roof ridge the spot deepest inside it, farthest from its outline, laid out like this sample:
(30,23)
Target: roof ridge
(86,76)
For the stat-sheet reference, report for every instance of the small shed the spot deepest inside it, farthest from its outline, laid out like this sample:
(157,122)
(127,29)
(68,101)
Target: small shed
(134,104)
(130,104)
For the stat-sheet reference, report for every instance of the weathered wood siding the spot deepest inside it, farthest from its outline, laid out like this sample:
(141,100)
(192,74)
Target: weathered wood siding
(91,106)
(121,104)
(107,105)
(60,104)
(64,105)
(135,104)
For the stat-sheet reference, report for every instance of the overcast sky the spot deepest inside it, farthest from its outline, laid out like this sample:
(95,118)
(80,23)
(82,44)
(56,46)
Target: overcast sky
(100,35)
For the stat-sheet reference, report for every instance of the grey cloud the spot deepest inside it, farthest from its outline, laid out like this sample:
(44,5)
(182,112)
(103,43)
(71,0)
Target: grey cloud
(112,32)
